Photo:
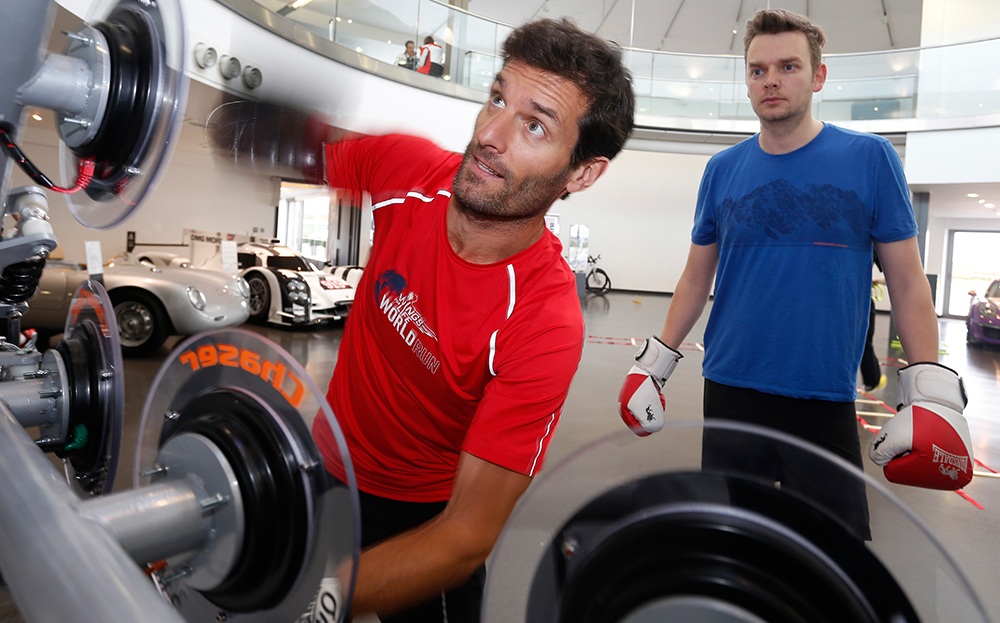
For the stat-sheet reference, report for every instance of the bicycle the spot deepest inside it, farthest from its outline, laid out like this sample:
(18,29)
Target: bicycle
(598,281)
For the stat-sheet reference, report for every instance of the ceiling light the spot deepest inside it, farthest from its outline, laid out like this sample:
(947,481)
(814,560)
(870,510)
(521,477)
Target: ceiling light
(358,49)
(338,18)
(734,31)
(876,109)
(298,4)
(36,117)
(989,205)
(972,195)
(981,201)
(350,21)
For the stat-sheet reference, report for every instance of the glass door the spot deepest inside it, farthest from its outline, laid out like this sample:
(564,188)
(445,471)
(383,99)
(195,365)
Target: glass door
(973,262)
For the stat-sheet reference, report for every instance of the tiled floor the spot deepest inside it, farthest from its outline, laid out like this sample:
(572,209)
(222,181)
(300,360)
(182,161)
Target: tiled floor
(966,531)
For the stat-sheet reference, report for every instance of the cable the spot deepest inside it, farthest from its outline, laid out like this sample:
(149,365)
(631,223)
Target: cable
(85,174)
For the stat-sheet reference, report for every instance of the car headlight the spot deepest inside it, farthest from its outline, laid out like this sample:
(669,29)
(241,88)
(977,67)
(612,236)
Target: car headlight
(294,285)
(196,298)
(987,310)
(243,287)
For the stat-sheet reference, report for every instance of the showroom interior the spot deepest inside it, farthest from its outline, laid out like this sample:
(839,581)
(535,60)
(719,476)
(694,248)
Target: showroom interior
(918,72)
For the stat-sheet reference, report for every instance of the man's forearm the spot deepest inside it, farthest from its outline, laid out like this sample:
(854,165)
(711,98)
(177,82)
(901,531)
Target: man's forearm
(412,567)
(916,324)
(690,295)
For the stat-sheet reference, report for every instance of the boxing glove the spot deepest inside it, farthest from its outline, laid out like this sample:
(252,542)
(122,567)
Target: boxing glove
(270,138)
(640,403)
(926,444)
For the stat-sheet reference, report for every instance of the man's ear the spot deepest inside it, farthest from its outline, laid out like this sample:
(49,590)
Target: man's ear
(586,174)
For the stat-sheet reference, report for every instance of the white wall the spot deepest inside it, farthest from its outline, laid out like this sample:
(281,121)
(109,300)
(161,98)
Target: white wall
(195,192)
(640,215)
(953,156)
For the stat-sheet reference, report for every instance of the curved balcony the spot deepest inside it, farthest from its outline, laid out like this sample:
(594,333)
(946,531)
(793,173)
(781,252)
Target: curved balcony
(893,91)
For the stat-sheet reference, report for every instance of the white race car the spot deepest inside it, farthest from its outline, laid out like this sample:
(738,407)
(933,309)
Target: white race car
(286,289)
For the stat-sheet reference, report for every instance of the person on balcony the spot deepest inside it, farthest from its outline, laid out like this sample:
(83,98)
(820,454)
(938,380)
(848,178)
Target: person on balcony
(431,60)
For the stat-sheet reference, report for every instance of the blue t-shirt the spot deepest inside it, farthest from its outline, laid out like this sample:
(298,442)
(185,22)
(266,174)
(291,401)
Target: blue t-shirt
(795,234)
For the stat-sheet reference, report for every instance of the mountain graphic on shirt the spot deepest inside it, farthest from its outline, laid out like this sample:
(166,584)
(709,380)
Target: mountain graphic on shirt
(779,209)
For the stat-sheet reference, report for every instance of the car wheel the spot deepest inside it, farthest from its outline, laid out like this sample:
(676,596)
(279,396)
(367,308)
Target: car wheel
(260,298)
(142,322)
(971,341)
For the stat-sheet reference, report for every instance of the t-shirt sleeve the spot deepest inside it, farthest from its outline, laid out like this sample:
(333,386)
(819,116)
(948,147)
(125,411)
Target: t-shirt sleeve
(893,214)
(520,409)
(705,230)
(382,165)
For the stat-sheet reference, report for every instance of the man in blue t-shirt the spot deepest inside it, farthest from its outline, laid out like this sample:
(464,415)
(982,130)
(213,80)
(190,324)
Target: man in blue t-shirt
(797,208)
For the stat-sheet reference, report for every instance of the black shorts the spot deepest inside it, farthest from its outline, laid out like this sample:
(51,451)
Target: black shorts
(436,70)
(382,518)
(830,425)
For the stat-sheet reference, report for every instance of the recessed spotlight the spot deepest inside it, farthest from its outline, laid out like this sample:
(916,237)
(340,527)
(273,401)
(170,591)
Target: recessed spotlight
(734,31)
(358,49)
(338,18)
(981,201)
(972,195)
(839,88)
(36,117)
(446,77)
(350,21)
(988,205)
(876,109)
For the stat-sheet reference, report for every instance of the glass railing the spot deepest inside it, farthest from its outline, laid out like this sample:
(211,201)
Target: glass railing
(923,83)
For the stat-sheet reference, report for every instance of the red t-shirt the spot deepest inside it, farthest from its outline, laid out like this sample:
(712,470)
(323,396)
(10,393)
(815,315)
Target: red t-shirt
(440,355)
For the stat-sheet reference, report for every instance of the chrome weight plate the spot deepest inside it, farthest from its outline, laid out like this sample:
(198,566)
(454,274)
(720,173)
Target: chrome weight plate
(251,400)
(633,529)
(92,357)
(136,47)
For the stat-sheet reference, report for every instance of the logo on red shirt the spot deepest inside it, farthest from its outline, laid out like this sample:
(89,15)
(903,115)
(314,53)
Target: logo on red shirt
(400,309)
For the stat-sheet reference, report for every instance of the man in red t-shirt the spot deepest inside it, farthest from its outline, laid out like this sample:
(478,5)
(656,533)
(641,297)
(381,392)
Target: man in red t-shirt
(466,329)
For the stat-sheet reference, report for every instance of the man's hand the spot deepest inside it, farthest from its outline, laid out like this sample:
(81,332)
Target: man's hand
(926,444)
(640,403)
(270,138)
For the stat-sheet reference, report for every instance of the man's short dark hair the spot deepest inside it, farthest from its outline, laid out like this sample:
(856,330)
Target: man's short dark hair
(408,43)
(777,21)
(595,67)
(428,39)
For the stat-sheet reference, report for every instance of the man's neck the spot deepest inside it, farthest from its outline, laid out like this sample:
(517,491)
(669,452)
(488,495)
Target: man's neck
(480,239)
(782,137)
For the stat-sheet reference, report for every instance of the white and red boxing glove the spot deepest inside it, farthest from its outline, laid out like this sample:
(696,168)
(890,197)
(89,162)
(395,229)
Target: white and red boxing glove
(926,444)
(640,403)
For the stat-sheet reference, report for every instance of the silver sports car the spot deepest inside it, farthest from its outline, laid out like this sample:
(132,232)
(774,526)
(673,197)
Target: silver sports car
(151,302)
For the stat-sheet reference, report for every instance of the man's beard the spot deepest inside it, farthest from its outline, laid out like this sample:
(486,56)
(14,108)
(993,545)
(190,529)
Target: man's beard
(517,199)
(790,115)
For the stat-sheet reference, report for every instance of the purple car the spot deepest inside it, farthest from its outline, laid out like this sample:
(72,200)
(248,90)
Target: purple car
(984,316)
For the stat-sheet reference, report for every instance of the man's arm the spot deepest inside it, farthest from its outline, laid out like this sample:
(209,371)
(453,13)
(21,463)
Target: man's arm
(691,293)
(910,294)
(440,554)
(640,403)
(929,424)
